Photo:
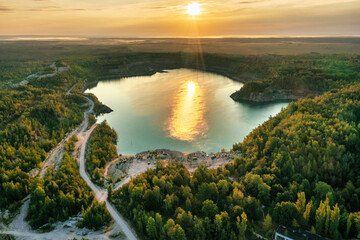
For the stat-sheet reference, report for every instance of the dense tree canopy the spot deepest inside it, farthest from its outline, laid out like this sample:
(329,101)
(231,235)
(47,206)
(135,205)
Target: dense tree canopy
(167,203)
(63,188)
(102,148)
(63,194)
(32,122)
(299,168)
(307,156)
(284,76)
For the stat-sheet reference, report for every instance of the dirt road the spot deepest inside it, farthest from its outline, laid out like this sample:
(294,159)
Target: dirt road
(19,223)
(106,169)
(55,156)
(101,194)
(21,229)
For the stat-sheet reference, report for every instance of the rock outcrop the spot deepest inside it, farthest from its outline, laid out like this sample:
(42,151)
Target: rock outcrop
(269,95)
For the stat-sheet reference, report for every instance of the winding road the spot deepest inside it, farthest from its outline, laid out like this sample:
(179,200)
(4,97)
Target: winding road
(101,194)
(20,228)
(55,156)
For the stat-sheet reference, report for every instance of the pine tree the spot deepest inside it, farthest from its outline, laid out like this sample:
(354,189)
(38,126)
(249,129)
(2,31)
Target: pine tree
(109,191)
(267,224)
(348,224)
(300,202)
(334,221)
(307,211)
(321,217)
(151,228)
(241,225)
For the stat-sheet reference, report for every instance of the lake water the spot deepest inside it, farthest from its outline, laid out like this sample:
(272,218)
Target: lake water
(182,109)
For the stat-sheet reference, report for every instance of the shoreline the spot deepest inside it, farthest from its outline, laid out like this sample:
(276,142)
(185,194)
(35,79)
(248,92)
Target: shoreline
(255,98)
(125,167)
(175,153)
(93,82)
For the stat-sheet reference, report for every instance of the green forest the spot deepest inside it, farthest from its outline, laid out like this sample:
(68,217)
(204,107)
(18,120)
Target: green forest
(33,121)
(58,188)
(102,149)
(301,76)
(65,189)
(300,167)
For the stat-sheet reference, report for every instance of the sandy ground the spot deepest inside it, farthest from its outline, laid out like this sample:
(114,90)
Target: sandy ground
(134,168)
(128,167)
(39,76)
(59,69)
(36,75)
(68,92)
(63,232)
(56,69)
(108,165)
(19,224)
(212,161)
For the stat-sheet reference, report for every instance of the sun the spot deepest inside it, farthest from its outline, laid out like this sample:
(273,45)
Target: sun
(193,9)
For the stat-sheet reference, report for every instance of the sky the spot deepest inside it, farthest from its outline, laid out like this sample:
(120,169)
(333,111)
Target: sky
(157,18)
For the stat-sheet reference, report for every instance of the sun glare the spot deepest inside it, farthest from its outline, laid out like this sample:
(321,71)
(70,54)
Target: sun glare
(193,9)
(191,88)
(187,120)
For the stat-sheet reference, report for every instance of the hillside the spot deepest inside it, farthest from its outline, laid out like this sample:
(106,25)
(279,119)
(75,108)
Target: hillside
(299,168)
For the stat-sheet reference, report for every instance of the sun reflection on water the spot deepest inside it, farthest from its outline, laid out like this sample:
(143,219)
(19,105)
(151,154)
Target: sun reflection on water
(191,87)
(187,119)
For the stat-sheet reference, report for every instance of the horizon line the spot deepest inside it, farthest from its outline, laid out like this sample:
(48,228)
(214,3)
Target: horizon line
(85,37)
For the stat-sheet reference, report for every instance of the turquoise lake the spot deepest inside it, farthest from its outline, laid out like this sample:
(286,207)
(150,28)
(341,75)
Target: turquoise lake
(184,110)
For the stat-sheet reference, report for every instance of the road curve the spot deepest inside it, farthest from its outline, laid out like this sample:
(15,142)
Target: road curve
(56,154)
(19,227)
(101,194)
(108,165)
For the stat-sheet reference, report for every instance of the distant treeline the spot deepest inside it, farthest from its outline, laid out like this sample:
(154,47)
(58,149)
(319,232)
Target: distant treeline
(298,75)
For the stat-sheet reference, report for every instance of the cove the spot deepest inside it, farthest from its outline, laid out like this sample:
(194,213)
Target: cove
(182,109)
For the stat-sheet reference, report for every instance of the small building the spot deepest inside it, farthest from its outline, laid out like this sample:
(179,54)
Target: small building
(293,233)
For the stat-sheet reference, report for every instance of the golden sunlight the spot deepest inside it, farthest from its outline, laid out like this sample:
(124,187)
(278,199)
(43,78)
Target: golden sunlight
(193,9)
(191,88)
(187,120)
